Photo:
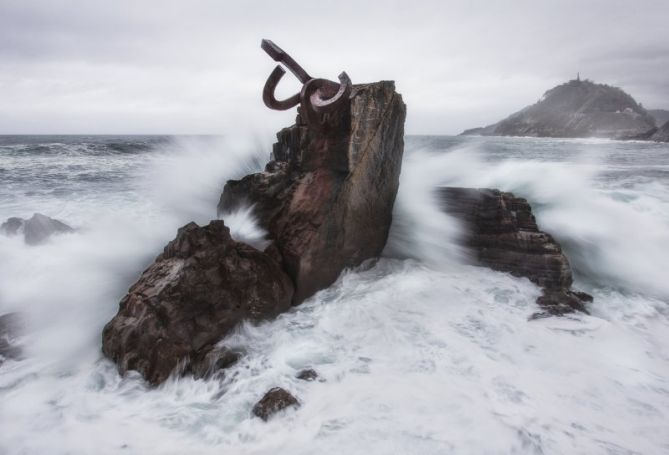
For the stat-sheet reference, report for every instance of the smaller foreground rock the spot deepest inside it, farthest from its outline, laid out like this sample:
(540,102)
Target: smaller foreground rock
(277,399)
(502,233)
(307,375)
(199,289)
(35,230)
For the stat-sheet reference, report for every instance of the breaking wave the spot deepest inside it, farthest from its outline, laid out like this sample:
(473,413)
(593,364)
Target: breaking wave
(419,352)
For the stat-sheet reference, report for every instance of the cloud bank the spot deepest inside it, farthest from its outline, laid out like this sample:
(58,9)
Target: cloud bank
(194,67)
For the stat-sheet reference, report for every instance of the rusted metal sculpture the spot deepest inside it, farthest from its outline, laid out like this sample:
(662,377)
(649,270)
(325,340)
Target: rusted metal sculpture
(318,96)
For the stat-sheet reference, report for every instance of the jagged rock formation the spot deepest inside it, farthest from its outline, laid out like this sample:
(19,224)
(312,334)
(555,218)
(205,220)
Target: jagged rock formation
(326,199)
(202,285)
(35,230)
(502,234)
(277,399)
(662,134)
(576,109)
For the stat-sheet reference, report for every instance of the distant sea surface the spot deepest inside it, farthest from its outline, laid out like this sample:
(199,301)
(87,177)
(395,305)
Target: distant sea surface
(421,353)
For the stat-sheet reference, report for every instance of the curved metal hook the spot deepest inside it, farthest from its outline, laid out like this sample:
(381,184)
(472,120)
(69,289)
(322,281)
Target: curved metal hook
(281,56)
(323,105)
(268,92)
(309,115)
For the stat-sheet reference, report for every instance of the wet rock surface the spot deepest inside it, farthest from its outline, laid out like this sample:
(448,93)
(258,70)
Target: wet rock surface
(501,233)
(326,198)
(202,285)
(36,229)
(208,363)
(277,399)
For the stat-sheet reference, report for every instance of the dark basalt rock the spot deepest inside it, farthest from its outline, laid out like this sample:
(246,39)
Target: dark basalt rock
(326,198)
(501,233)
(307,375)
(277,399)
(35,230)
(202,285)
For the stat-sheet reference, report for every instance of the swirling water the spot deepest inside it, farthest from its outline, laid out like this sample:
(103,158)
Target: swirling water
(419,352)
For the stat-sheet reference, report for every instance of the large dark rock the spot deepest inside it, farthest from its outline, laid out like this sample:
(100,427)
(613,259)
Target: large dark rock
(326,198)
(277,399)
(578,108)
(202,285)
(36,229)
(501,233)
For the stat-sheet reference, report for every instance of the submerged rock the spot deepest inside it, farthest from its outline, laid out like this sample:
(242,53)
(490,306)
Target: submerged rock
(557,302)
(307,375)
(208,363)
(277,399)
(502,233)
(12,226)
(36,229)
(202,285)
(326,198)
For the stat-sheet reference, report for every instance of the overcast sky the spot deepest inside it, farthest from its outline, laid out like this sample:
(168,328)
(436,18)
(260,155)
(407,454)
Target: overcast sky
(190,67)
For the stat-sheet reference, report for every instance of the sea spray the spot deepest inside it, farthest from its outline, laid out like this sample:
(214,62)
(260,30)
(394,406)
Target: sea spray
(415,356)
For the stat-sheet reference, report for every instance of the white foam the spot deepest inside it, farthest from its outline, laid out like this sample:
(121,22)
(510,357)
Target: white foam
(420,355)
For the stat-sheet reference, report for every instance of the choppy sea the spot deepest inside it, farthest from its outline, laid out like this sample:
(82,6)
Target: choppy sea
(420,352)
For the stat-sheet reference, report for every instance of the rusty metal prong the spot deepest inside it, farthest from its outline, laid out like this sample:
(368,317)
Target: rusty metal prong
(281,56)
(268,92)
(322,105)
(272,50)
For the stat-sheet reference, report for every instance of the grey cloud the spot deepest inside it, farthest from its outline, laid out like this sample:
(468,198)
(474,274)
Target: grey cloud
(196,67)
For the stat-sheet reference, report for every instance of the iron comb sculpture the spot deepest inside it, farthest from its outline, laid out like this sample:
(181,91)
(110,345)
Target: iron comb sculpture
(318,96)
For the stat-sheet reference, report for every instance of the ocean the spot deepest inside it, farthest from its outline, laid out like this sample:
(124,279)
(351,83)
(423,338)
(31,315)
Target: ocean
(419,352)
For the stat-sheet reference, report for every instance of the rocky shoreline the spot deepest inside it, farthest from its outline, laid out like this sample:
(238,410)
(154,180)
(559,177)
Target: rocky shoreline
(325,199)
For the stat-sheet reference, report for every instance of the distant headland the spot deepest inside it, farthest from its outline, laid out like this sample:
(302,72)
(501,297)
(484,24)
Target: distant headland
(582,108)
